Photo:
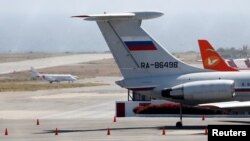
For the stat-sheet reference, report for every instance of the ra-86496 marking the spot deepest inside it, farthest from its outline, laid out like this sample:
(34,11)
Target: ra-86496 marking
(159,65)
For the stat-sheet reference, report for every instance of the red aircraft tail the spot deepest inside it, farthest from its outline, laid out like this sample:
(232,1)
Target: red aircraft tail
(212,59)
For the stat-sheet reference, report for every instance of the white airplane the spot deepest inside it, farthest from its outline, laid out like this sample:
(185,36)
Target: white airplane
(53,77)
(150,69)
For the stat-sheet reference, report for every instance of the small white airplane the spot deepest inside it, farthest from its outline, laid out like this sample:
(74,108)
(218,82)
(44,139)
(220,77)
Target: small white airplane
(149,69)
(53,77)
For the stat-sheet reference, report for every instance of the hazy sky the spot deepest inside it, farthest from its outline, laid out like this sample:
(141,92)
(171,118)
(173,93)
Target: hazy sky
(45,25)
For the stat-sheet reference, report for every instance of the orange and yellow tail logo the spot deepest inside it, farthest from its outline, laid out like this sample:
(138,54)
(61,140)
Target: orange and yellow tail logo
(212,61)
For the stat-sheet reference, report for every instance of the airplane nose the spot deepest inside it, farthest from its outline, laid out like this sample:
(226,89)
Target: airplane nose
(74,78)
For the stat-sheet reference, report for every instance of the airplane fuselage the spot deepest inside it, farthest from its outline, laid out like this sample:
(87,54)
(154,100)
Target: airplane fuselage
(241,84)
(58,77)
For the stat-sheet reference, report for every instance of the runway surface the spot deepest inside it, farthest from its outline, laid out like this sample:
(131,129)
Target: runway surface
(86,113)
(10,67)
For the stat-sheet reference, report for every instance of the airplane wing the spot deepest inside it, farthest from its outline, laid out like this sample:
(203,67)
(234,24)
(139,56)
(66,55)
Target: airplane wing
(226,105)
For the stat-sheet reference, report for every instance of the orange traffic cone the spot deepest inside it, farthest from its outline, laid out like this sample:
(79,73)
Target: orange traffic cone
(6,132)
(108,132)
(56,131)
(163,131)
(114,118)
(37,122)
(206,131)
(203,117)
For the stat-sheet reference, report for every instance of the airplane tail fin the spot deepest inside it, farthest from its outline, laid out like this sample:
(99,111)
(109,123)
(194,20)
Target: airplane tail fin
(211,58)
(35,73)
(135,51)
(247,61)
(231,63)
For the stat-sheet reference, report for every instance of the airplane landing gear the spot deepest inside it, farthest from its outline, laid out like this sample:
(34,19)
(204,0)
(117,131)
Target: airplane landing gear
(179,123)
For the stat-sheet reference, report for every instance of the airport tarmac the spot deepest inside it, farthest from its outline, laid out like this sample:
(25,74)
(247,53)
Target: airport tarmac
(124,129)
(86,113)
(84,102)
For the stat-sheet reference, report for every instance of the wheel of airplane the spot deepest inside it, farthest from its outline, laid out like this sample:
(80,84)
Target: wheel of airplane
(179,124)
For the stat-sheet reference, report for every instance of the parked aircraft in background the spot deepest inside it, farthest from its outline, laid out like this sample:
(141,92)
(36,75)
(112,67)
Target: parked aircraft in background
(53,77)
(149,69)
(212,60)
(241,64)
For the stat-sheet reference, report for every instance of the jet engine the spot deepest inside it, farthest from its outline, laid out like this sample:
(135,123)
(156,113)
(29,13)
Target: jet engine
(209,90)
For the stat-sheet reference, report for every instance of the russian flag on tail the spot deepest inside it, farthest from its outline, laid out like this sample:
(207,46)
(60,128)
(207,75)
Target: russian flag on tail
(140,45)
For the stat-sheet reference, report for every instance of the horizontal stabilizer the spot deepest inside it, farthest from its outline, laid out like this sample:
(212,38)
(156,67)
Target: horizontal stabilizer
(224,105)
(120,16)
